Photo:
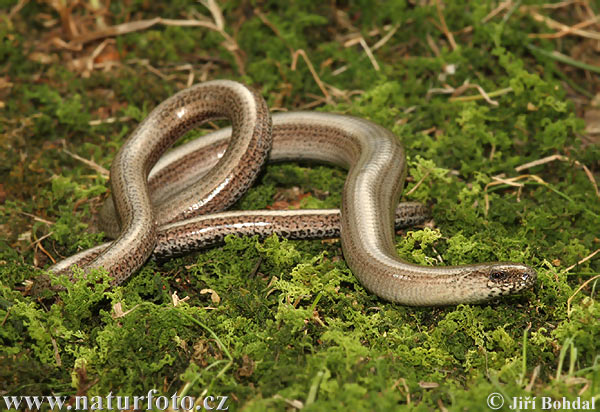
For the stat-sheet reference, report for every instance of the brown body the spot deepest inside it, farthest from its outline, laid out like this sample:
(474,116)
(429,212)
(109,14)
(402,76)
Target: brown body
(376,170)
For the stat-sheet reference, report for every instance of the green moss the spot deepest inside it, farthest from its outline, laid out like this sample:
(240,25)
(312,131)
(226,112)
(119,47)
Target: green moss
(276,322)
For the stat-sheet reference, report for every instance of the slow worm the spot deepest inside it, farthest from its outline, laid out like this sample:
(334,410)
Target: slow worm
(376,169)
(221,187)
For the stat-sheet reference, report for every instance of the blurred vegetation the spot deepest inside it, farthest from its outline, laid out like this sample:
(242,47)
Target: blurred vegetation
(471,89)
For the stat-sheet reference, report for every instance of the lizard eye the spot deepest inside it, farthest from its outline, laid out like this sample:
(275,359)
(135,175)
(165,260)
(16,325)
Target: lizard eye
(497,276)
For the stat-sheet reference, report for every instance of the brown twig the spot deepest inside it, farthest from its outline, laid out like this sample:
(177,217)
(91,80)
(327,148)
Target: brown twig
(561,4)
(380,43)
(585,259)
(502,6)
(217,24)
(190,69)
(406,389)
(273,28)
(317,102)
(534,376)
(17,8)
(553,24)
(447,32)
(34,217)
(230,44)
(35,242)
(385,38)
(39,245)
(456,92)
(563,32)
(591,179)
(146,64)
(441,405)
(507,181)
(541,161)
(369,53)
(301,52)
(109,120)
(482,92)
(434,47)
(6,316)
(103,172)
(584,284)
(140,25)
(361,40)
(419,183)
(562,158)
(97,52)
(56,351)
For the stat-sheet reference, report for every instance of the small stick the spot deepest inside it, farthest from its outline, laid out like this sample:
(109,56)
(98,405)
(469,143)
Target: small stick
(109,120)
(445,27)
(93,165)
(585,259)
(140,25)
(6,316)
(190,69)
(493,13)
(361,40)
(46,252)
(541,161)
(301,52)
(534,376)
(421,180)
(562,158)
(584,284)
(432,45)
(385,38)
(39,240)
(553,24)
(152,69)
(561,4)
(483,95)
(367,50)
(39,219)
(96,53)
(591,179)
(17,8)
(563,32)
(512,182)
(509,182)
(273,28)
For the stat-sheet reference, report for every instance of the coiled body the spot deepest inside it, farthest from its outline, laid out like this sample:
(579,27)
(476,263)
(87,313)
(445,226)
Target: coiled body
(221,187)
(376,170)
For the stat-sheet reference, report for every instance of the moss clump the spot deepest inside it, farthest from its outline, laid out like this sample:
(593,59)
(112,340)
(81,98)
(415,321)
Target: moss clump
(280,324)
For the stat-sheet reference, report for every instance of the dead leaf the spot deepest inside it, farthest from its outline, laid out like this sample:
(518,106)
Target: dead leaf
(213,295)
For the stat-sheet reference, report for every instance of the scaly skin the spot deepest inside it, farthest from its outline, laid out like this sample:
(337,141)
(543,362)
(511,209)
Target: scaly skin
(221,187)
(376,170)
